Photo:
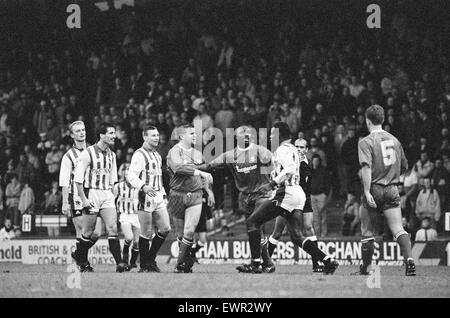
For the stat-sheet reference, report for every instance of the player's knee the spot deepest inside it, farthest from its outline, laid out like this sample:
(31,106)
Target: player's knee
(251,224)
(276,235)
(111,229)
(164,231)
(309,230)
(189,233)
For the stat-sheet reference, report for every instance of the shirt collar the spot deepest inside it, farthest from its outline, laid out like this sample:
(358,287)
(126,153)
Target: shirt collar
(376,130)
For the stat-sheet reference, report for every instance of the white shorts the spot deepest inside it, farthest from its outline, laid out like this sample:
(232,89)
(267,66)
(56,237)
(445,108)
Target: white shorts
(130,218)
(102,199)
(290,198)
(151,204)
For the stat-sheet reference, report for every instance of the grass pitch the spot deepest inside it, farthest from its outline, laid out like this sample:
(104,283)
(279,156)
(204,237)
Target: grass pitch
(221,281)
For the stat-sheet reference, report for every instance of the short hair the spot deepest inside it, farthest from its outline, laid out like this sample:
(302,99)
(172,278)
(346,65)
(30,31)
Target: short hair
(375,114)
(147,128)
(302,140)
(182,129)
(77,122)
(283,130)
(103,128)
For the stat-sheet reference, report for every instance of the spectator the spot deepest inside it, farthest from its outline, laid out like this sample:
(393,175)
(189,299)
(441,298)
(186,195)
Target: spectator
(2,203)
(321,193)
(26,200)
(349,155)
(314,149)
(441,182)
(428,203)
(25,170)
(206,122)
(12,193)
(351,216)
(53,161)
(225,117)
(426,232)
(424,166)
(7,232)
(40,117)
(53,200)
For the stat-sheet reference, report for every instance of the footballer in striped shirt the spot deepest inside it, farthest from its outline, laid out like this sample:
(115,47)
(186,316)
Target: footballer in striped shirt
(127,202)
(97,172)
(145,175)
(72,206)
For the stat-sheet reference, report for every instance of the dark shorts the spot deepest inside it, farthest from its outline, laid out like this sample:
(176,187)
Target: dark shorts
(180,201)
(386,197)
(308,207)
(74,213)
(206,215)
(249,202)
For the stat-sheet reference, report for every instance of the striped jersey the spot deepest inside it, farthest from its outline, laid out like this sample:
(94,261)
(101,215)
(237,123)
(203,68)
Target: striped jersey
(96,168)
(127,198)
(146,169)
(286,161)
(67,169)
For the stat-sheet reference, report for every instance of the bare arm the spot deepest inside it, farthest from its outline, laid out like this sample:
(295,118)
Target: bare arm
(83,163)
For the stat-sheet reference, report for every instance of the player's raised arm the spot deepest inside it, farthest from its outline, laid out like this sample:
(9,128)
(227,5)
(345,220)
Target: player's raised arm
(219,162)
(64,182)
(83,162)
(176,164)
(136,166)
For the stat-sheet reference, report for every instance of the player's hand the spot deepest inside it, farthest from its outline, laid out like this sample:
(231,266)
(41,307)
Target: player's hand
(206,176)
(370,200)
(88,204)
(266,188)
(149,191)
(211,200)
(65,209)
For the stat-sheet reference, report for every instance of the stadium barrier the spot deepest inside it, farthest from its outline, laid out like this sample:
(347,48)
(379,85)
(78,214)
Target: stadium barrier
(57,251)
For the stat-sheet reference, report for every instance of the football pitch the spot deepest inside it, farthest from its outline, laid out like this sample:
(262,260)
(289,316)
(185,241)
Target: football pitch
(220,281)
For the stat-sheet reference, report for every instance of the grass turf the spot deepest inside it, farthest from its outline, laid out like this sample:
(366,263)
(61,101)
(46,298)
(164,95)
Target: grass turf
(222,281)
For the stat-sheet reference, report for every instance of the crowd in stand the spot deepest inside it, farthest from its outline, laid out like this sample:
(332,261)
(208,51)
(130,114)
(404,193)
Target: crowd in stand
(254,62)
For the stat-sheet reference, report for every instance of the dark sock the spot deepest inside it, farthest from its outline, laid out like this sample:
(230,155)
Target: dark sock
(114,248)
(126,251)
(314,259)
(185,245)
(254,238)
(312,249)
(157,241)
(367,248)
(266,260)
(84,249)
(134,255)
(77,249)
(272,245)
(405,245)
(143,250)
(92,241)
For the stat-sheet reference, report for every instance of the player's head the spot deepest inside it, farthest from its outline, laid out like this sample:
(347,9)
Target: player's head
(282,130)
(302,146)
(187,135)
(107,133)
(244,135)
(374,116)
(151,136)
(77,131)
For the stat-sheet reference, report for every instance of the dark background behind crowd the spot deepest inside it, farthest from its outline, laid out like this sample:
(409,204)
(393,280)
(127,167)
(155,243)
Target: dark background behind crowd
(312,64)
